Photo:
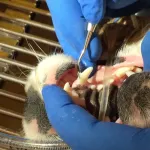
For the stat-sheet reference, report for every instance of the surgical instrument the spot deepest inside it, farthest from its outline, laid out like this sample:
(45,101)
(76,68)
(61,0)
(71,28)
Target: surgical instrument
(90,28)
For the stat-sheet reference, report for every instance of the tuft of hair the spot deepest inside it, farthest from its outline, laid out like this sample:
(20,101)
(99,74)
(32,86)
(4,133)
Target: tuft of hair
(133,100)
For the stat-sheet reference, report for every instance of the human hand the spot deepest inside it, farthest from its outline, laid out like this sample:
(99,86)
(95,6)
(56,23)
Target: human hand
(70,20)
(145,48)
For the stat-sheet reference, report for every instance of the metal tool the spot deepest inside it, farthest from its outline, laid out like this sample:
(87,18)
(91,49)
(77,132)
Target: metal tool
(90,28)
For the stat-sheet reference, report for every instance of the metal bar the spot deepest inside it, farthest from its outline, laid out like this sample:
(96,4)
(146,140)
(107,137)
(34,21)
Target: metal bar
(12,95)
(11,114)
(21,7)
(12,78)
(135,22)
(33,23)
(7,131)
(22,50)
(2,149)
(32,37)
(16,63)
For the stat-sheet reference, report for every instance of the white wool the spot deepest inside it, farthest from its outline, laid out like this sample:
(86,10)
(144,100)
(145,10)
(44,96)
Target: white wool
(133,49)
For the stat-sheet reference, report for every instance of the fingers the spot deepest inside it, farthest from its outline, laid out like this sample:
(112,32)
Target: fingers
(70,29)
(145,48)
(94,10)
(86,64)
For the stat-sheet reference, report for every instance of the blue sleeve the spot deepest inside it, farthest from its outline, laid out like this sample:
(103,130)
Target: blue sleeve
(81,131)
(145,48)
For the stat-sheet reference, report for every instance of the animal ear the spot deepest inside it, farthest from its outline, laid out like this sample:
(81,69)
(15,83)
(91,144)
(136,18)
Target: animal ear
(119,121)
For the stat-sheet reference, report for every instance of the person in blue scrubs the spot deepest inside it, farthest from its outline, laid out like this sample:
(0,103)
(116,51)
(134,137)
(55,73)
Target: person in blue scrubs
(79,129)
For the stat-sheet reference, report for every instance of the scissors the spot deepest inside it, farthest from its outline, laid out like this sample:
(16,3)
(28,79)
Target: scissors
(90,28)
